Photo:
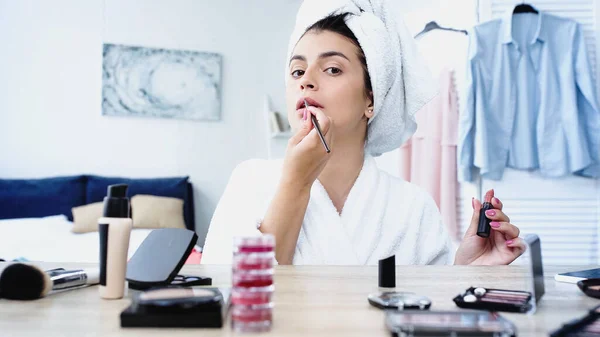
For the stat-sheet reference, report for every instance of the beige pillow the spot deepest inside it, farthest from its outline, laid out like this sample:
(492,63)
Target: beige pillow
(150,211)
(86,217)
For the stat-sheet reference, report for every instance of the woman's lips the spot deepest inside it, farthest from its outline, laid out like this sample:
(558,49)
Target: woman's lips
(302,101)
(301,109)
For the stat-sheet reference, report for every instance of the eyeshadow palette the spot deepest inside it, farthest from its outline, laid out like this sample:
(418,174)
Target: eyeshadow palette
(587,326)
(510,300)
(494,300)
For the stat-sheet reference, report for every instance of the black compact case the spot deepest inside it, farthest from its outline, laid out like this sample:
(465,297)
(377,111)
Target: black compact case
(202,307)
(159,258)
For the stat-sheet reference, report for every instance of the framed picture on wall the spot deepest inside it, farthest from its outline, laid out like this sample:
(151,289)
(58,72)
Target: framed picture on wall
(163,83)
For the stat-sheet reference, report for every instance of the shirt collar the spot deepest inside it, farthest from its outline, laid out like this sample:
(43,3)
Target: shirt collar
(507,27)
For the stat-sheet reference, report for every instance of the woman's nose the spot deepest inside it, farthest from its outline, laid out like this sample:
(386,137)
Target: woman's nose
(307,82)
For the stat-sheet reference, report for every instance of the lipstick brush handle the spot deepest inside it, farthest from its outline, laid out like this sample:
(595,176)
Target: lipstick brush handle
(316,124)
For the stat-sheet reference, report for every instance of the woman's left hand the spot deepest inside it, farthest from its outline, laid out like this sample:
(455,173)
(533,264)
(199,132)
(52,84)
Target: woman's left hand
(503,245)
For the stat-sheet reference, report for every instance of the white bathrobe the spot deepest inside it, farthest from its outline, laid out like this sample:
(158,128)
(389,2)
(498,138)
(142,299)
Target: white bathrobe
(383,215)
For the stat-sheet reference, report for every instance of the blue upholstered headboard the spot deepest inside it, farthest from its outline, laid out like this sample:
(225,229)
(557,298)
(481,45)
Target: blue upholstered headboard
(24,198)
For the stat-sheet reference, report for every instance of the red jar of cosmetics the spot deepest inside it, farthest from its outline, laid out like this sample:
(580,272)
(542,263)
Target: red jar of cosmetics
(254,318)
(251,296)
(252,278)
(253,261)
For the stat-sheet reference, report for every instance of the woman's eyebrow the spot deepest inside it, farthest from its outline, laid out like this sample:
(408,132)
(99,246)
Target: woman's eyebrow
(321,56)
(332,53)
(298,57)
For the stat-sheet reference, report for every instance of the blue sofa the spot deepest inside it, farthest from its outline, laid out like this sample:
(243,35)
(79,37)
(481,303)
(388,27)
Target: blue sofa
(27,198)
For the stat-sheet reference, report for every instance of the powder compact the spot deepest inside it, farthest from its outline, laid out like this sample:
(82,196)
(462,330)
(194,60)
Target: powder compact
(587,326)
(198,307)
(399,300)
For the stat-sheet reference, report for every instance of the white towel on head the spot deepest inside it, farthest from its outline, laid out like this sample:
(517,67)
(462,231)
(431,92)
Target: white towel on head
(401,83)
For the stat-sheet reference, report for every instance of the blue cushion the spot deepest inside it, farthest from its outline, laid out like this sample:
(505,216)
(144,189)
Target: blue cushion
(175,187)
(28,198)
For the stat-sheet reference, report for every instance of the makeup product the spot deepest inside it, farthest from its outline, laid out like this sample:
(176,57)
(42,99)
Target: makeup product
(510,300)
(254,261)
(316,124)
(387,272)
(252,296)
(494,300)
(253,287)
(483,227)
(253,244)
(399,301)
(387,298)
(448,323)
(160,257)
(114,231)
(252,318)
(590,287)
(252,278)
(587,326)
(28,282)
(178,308)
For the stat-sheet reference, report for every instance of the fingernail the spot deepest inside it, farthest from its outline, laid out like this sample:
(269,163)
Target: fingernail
(490,212)
(496,200)
(304,115)
(495,224)
(509,242)
(473,202)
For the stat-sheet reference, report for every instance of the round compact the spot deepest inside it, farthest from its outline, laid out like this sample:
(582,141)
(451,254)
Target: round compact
(590,287)
(399,300)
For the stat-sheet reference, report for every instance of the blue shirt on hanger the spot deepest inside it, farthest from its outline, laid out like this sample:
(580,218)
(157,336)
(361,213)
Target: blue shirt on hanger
(531,100)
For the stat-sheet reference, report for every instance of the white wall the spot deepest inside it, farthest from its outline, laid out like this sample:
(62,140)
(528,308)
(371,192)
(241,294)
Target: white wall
(50,88)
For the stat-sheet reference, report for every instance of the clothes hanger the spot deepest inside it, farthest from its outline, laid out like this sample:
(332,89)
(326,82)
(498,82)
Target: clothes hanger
(524,8)
(432,25)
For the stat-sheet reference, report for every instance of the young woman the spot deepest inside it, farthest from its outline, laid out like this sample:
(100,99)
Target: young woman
(338,207)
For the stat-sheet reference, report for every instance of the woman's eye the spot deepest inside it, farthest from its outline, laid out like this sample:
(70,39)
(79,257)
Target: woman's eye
(333,70)
(297,73)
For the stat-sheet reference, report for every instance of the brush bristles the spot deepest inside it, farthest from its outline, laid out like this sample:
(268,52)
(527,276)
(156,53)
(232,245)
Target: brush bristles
(24,282)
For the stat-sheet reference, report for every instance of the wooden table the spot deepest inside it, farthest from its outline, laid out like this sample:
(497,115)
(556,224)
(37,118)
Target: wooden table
(309,301)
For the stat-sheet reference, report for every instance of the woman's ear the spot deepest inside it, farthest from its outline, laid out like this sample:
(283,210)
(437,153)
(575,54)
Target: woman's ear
(369,112)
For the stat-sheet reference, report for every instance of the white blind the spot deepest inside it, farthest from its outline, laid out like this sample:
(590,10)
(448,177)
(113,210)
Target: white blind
(563,212)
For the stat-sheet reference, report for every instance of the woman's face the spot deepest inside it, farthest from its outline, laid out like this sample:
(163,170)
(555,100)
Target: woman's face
(325,69)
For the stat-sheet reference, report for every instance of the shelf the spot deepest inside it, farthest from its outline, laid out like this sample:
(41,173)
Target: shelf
(284,134)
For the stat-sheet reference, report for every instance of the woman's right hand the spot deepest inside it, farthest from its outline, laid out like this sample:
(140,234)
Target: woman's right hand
(305,156)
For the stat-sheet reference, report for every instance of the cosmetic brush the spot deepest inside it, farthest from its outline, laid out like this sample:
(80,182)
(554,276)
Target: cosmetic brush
(316,124)
(483,227)
(27,282)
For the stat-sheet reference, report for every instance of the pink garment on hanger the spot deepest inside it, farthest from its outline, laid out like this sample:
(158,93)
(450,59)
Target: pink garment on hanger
(428,159)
